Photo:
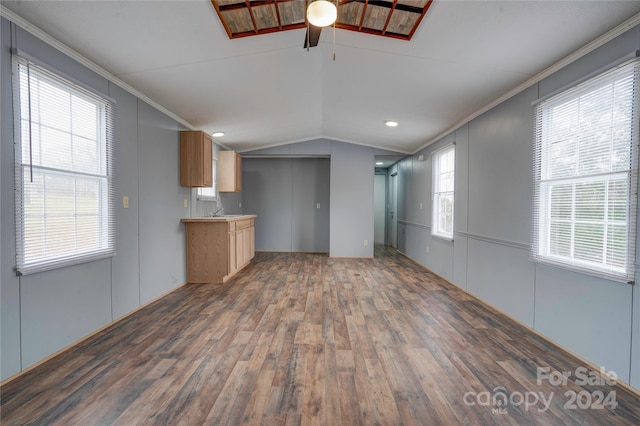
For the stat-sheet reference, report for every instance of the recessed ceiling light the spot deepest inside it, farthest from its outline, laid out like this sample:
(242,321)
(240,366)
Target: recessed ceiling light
(379,163)
(391,123)
(218,134)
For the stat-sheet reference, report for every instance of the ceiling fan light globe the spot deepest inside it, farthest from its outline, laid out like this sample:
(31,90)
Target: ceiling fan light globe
(322,13)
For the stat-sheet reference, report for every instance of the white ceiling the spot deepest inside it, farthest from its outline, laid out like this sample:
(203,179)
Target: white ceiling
(267,90)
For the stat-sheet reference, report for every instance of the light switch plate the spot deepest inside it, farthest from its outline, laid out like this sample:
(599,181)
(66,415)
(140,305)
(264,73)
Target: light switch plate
(125,202)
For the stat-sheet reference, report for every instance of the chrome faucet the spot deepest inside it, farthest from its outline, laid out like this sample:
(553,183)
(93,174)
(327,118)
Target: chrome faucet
(220,209)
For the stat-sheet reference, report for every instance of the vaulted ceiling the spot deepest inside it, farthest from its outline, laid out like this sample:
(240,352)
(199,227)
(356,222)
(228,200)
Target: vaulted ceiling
(267,89)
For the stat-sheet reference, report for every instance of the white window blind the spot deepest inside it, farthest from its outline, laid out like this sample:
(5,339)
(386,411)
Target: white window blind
(63,178)
(585,176)
(443,192)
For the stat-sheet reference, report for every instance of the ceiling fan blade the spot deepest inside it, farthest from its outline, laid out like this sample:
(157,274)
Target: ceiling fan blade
(312,37)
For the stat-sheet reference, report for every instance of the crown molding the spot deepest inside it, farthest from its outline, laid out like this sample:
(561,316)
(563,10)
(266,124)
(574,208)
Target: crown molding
(58,45)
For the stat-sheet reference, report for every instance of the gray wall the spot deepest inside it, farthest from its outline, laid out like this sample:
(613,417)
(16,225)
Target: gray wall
(489,257)
(161,204)
(351,192)
(42,313)
(283,193)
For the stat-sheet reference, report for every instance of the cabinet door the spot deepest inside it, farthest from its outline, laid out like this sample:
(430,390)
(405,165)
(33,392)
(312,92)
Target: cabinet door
(232,252)
(239,249)
(229,171)
(252,232)
(246,241)
(207,160)
(237,187)
(196,160)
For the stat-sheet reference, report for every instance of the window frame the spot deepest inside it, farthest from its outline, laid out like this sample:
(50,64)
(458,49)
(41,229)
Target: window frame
(545,182)
(99,174)
(437,192)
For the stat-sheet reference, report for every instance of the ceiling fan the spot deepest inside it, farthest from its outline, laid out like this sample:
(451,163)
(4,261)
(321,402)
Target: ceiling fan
(320,13)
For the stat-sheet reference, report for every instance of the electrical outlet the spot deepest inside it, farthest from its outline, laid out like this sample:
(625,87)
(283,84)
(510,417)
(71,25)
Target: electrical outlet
(317,205)
(185,203)
(125,202)
(427,249)
(366,242)
(240,204)
(420,206)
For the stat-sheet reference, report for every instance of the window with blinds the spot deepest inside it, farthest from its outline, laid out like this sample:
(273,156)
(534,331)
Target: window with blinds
(443,192)
(585,176)
(63,178)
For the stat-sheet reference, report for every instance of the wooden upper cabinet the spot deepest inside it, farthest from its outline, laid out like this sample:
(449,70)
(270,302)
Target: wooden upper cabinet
(229,171)
(196,159)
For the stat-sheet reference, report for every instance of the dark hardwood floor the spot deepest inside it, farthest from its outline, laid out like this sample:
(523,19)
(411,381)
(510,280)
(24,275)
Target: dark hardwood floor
(307,339)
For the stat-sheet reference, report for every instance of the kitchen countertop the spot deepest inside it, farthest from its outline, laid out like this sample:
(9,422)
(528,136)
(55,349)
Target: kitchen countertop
(228,218)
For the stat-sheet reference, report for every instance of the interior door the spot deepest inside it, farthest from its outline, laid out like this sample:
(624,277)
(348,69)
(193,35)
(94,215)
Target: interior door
(393,210)
(379,208)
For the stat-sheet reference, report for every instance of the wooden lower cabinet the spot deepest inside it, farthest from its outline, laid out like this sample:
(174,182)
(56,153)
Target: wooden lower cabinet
(217,248)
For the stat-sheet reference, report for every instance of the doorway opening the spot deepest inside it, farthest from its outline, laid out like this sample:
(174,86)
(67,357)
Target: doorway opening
(385,200)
